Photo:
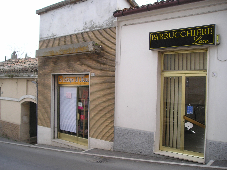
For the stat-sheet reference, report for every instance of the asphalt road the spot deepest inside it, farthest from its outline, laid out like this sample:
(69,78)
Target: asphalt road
(14,157)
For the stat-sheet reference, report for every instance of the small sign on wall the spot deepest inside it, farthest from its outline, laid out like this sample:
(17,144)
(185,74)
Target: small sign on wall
(82,117)
(189,109)
(80,105)
(74,79)
(68,95)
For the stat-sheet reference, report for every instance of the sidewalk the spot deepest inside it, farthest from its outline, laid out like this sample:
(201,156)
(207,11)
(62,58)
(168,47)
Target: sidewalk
(122,155)
(156,159)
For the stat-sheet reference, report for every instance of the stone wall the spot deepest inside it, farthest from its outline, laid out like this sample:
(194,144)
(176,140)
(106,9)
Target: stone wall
(133,141)
(215,150)
(9,130)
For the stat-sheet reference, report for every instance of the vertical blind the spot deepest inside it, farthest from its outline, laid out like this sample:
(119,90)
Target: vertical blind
(172,111)
(185,61)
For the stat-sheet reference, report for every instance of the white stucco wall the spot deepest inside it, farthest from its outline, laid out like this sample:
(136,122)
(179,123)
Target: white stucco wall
(101,144)
(136,81)
(121,4)
(44,135)
(80,17)
(136,66)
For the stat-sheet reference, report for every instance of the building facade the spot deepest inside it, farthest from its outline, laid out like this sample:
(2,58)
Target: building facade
(77,73)
(18,99)
(170,80)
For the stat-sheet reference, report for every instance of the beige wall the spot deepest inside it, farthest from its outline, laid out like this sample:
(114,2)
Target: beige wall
(14,92)
(10,111)
(16,88)
(14,104)
(31,88)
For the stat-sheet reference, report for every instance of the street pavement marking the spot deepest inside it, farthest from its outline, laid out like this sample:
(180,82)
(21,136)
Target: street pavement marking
(86,150)
(210,163)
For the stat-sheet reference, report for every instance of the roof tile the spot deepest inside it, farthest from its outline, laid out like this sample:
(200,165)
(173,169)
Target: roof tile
(150,7)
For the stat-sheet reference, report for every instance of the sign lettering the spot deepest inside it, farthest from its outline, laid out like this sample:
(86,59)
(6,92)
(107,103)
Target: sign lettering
(75,80)
(203,35)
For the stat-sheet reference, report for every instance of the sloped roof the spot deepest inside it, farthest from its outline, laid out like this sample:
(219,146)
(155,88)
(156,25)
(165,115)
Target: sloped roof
(150,7)
(19,67)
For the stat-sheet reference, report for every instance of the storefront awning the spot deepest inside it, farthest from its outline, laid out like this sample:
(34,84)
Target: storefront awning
(71,49)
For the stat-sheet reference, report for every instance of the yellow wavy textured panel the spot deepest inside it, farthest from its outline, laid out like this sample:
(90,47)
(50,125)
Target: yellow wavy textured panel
(107,36)
(102,86)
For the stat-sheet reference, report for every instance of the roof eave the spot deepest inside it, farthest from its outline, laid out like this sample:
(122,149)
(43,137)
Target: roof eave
(57,5)
(150,7)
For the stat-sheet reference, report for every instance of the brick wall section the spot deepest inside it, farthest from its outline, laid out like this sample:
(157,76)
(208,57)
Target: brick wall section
(9,130)
(102,85)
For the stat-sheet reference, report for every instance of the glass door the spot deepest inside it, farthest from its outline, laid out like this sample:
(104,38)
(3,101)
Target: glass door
(73,114)
(82,115)
(194,117)
(183,113)
(172,113)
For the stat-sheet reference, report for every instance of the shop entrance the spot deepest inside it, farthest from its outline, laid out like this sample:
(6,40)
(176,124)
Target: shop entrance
(183,103)
(73,112)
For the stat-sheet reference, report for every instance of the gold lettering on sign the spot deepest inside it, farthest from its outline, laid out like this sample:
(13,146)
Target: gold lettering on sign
(183,37)
(166,36)
(154,37)
(184,33)
(171,36)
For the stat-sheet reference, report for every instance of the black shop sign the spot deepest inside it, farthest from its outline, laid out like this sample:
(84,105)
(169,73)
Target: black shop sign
(201,35)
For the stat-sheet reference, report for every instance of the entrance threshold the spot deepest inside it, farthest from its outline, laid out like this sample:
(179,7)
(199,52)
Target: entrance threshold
(73,139)
(187,157)
(67,144)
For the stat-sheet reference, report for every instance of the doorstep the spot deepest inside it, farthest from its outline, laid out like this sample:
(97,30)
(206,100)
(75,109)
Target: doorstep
(67,144)
(182,156)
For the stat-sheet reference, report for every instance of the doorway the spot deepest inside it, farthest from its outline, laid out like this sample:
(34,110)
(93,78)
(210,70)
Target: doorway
(33,123)
(28,127)
(183,103)
(73,106)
